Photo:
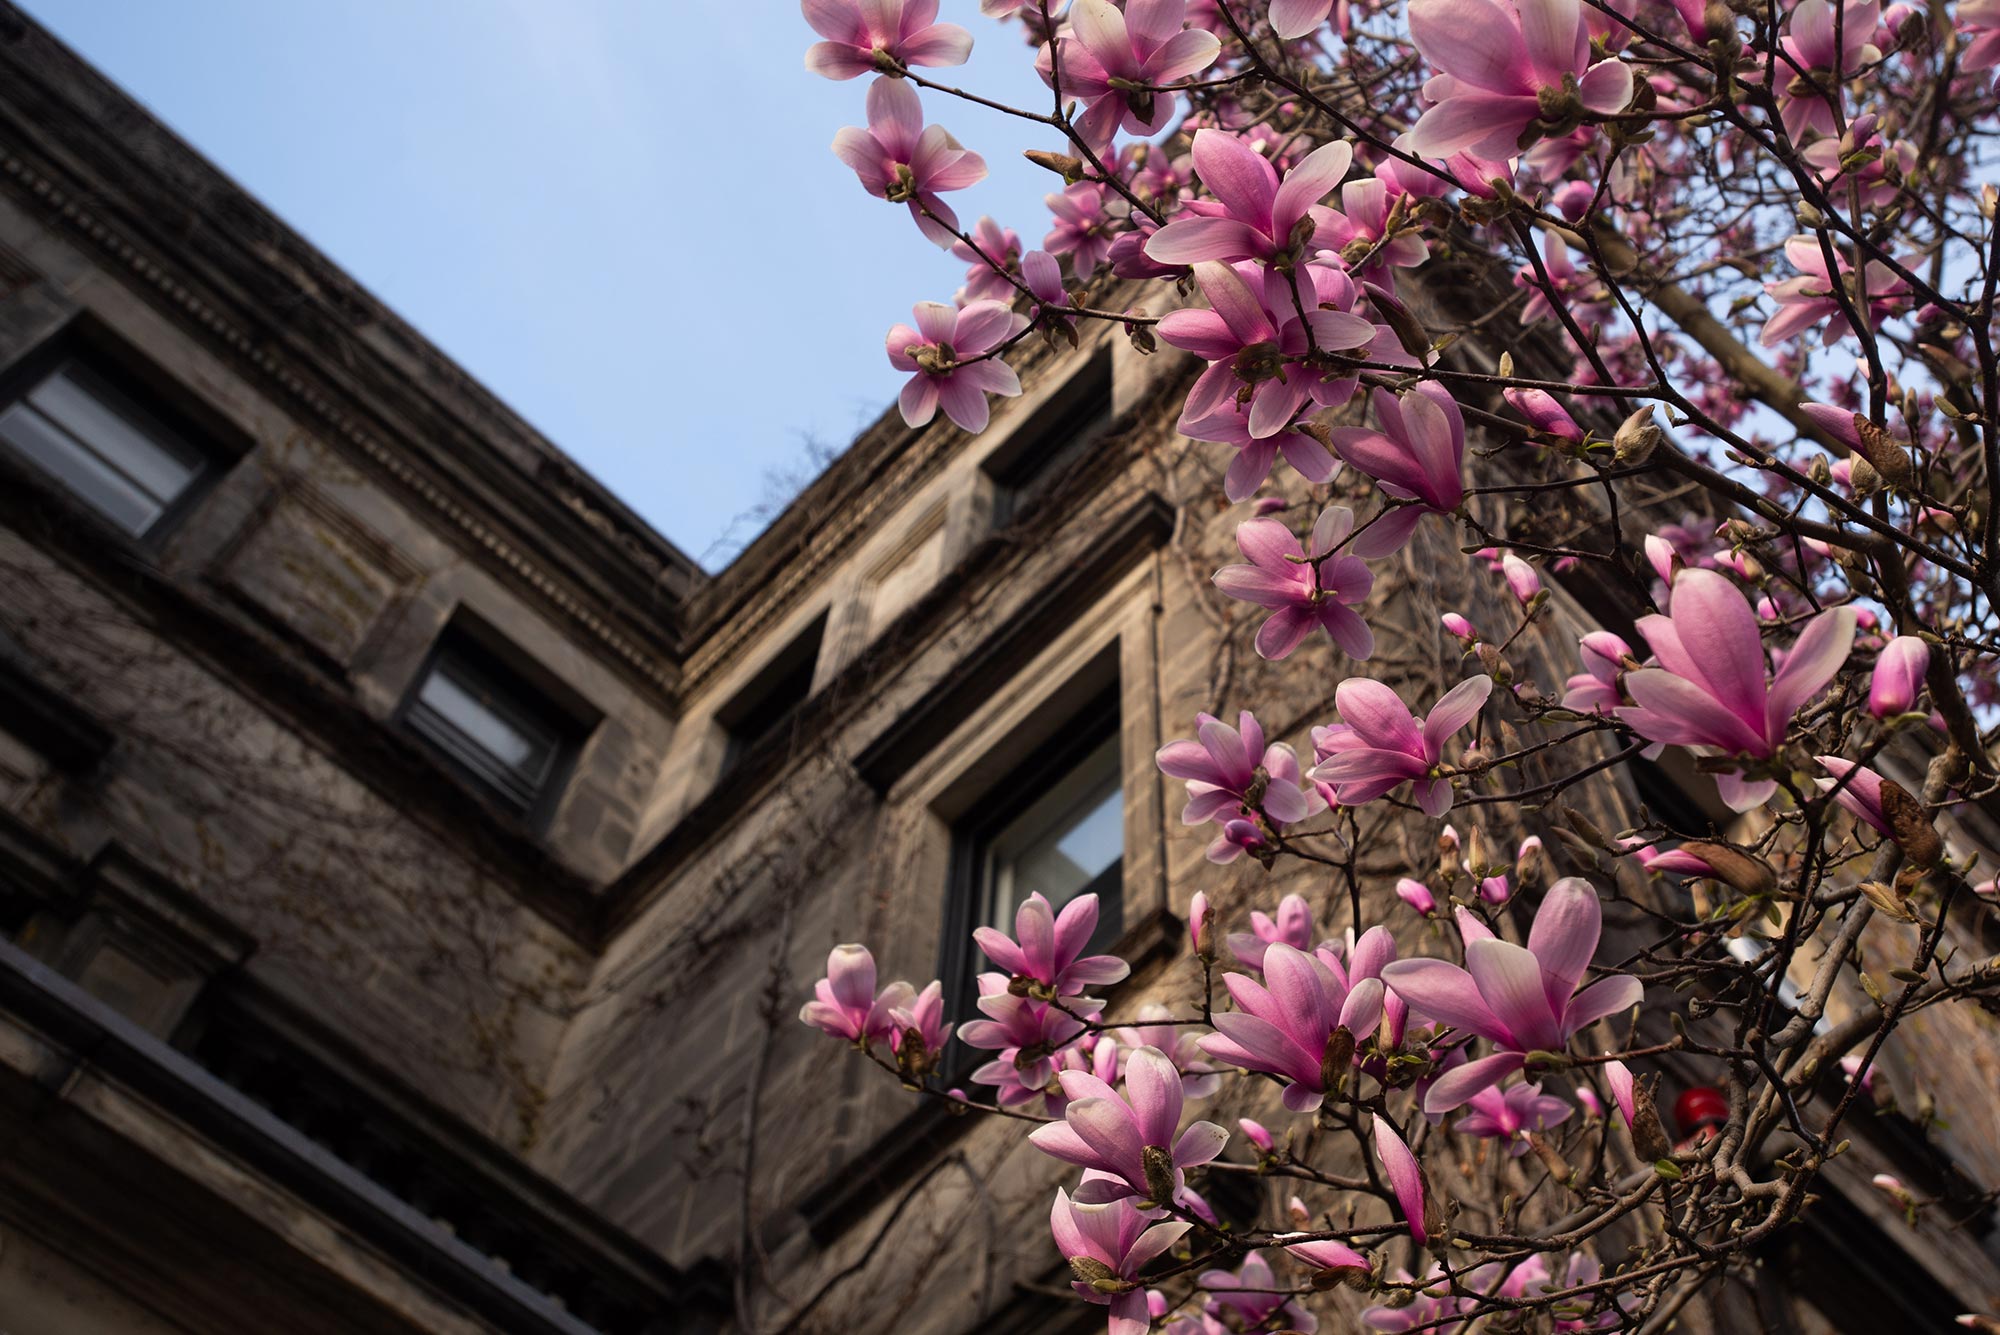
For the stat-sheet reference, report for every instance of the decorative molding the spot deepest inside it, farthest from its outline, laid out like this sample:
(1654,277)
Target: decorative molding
(134,261)
(914,454)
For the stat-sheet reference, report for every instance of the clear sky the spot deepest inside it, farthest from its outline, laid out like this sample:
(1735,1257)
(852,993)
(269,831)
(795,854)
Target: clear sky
(622,219)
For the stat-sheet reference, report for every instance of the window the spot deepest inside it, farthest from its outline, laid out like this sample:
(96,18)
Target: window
(1045,446)
(772,697)
(1054,825)
(1068,841)
(111,454)
(489,723)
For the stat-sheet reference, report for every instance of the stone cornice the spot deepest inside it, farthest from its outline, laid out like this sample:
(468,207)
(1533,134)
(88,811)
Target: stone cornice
(872,477)
(263,298)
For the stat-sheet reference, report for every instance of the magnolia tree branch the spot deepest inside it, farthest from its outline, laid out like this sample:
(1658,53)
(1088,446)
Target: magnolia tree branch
(1629,400)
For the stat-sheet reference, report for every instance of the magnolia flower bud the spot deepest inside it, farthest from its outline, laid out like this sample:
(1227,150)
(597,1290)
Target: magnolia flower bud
(1898,677)
(1637,437)
(1531,863)
(1417,895)
(1198,934)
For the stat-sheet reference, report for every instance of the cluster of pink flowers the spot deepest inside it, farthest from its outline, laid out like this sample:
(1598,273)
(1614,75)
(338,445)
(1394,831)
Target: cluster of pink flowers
(1558,133)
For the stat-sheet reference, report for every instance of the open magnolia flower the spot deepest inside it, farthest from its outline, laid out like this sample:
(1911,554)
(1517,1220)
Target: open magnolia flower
(1519,999)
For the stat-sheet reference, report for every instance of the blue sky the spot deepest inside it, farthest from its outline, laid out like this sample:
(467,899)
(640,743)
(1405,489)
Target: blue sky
(626,223)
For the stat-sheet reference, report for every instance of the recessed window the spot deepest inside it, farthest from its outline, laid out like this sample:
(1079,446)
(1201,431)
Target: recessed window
(488,722)
(1068,841)
(111,454)
(1052,441)
(771,699)
(1054,825)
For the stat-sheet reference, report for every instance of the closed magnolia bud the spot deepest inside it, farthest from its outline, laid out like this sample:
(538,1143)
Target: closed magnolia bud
(1531,863)
(1637,437)
(1861,475)
(1062,164)
(1883,451)
(1475,852)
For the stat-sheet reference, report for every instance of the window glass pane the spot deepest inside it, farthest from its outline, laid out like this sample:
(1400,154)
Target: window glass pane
(158,464)
(60,455)
(1071,834)
(474,712)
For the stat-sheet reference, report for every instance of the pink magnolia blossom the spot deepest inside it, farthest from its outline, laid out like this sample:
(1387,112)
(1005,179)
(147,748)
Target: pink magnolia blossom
(1807,302)
(1292,19)
(1130,1138)
(1043,277)
(1596,689)
(1098,1056)
(920,1033)
(1305,591)
(1284,1025)
(1252,337)
(1712,692)
(904,161)
(1255,455)
(1323,1254)
(1080,231)
(1898,678)
(845,1003)
(1509,1114)
(1829,59)
(1001,246)
(1879,180)
(1178,1043)
(1292,925)
(1503,65)
(1521,578)
(1520,999)
(1417,895)
(1860,796)
(1254,215)
(1250,1298)
(1197,921)
(1027,1033)
(1406,1176)
(1232,772)
(1384,745)
(1115,1235)
(1360,225)
(1255,1133)
(1544,414)
(1980,21)
(1567,287)
(864,36)
(1117,59)
(1624,1091)
(1418,456)
(947,356)
(1676,860)
(1047,948)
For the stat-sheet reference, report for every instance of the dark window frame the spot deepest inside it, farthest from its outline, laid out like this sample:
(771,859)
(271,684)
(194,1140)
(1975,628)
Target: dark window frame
(1054,436)
(474,654)
(148,398)
(786,681)
(968,898)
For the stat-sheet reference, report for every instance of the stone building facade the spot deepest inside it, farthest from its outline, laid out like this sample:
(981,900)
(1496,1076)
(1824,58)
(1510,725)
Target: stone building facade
(411,865)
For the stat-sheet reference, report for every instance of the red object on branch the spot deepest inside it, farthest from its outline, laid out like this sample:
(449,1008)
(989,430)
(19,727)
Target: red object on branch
(1700,1107)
